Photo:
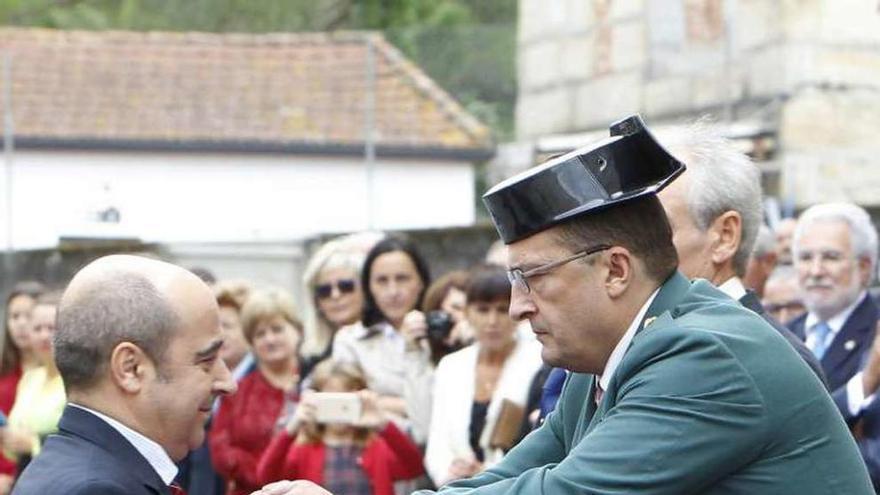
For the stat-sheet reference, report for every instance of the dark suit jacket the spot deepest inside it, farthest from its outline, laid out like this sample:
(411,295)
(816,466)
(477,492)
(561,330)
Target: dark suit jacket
(88,457)
(843,360)
(861,323)
(750,301)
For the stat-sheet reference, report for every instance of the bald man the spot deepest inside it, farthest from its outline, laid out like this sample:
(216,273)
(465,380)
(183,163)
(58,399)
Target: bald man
(137,344)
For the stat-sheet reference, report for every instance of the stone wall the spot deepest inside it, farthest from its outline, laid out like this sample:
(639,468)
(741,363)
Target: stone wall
(810,69)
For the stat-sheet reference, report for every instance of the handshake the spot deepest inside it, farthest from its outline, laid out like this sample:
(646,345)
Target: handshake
(299,487)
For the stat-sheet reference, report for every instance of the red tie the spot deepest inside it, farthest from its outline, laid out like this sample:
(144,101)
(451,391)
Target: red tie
(176,489)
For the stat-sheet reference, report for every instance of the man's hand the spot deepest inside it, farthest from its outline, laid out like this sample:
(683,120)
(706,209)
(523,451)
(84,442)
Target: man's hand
(871,373)
(463,468)
(413,329)
(17,440)
(298,487)
(5,484)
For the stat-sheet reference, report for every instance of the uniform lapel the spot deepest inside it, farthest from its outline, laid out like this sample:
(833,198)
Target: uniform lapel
(670,293)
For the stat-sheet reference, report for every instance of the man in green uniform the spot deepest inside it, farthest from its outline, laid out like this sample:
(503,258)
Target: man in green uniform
(674,387)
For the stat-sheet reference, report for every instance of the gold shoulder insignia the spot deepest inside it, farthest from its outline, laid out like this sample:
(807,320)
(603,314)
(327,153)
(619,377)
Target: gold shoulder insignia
(648,321)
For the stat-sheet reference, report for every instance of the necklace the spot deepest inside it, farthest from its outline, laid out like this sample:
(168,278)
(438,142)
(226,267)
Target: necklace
(486,380)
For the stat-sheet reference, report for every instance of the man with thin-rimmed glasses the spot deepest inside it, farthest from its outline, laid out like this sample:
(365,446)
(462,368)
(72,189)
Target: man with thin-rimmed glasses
(667,394)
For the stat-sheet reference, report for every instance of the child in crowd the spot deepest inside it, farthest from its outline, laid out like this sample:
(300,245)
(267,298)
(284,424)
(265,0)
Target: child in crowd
(364,458)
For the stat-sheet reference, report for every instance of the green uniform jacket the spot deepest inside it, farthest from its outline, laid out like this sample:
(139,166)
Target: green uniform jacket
(707,399)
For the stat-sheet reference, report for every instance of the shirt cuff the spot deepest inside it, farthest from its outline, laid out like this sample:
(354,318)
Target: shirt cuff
(856,401)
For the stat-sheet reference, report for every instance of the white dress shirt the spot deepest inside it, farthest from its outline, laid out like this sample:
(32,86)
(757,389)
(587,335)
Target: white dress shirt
(623,344)
(152,451)
(734,288)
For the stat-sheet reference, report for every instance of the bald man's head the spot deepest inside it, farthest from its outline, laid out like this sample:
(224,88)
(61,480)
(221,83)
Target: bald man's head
(112,300)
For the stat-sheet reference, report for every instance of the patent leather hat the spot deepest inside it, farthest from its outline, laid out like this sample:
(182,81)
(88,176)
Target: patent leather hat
(629,164)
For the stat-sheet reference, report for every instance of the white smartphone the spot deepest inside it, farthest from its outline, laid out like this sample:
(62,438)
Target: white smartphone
(337,407)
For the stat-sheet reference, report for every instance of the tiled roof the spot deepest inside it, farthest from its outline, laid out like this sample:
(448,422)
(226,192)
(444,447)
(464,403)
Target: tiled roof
(262,91)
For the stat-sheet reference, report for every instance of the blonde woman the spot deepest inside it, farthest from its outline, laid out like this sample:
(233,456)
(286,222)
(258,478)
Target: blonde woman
(246,421)
(335,298)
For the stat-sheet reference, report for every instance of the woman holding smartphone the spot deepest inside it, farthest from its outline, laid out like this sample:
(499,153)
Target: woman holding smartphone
(386,344)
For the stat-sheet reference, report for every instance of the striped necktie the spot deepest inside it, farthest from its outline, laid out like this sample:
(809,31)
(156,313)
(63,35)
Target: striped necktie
(820,344)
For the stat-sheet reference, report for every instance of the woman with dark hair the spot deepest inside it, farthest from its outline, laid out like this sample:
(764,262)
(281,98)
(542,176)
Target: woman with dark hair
(447,297)
(40,397)
(16,355)
(478,389)
(387,342)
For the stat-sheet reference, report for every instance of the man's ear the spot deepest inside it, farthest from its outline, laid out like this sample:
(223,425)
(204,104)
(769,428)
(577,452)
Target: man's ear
(129,367)
(865,271)
(726,234)
(619,262)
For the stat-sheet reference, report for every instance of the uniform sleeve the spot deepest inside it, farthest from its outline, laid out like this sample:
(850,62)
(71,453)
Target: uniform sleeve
(544,446)
(668,432)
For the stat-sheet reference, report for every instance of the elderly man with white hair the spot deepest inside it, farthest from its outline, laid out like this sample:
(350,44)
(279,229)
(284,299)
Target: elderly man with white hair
(835,254)
(715,210)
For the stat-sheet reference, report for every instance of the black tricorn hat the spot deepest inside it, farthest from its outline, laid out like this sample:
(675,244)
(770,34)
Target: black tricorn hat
(628,165)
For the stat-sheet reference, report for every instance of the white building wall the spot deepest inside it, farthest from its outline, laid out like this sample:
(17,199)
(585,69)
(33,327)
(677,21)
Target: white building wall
(194,197)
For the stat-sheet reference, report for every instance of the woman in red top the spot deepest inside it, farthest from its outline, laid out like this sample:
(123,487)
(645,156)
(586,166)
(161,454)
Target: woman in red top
(361,459)
(15,356)
(246,421)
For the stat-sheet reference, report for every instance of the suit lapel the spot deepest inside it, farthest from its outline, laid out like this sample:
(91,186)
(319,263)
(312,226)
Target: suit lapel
(797,327)
(81,423)
(750,301)
(853,336)
(590,409)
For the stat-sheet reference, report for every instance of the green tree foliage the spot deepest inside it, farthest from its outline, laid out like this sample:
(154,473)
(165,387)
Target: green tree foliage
(467,46)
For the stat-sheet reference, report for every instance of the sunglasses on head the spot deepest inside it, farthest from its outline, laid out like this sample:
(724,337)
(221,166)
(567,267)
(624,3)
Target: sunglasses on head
(344,286)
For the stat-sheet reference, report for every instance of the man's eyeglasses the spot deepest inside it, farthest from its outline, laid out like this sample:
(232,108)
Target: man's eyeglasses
(344,286)
(519,279)
(784,306)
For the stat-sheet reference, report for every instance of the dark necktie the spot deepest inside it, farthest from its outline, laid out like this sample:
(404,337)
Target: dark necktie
(176,489)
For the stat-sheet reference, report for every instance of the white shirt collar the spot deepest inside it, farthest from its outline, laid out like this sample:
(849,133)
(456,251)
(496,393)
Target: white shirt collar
(152,451)
(836,322)
(734,288)
(623,344)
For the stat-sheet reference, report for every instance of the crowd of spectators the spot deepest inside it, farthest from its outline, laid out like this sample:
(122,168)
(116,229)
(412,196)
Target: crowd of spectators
(446,380)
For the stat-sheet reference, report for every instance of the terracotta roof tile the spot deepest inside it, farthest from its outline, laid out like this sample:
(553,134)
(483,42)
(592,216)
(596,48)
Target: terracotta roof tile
(202,87)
